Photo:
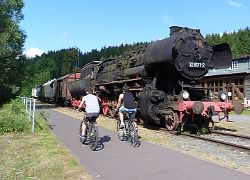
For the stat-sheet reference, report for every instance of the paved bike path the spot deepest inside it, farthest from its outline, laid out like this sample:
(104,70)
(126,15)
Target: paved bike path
(117,160)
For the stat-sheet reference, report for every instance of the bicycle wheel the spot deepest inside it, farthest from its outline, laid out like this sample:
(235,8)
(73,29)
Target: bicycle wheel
(133,134)
(82,140)
(93,137)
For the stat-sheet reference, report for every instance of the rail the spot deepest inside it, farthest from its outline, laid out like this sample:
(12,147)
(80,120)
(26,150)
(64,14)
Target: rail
(30,108)
(218,141)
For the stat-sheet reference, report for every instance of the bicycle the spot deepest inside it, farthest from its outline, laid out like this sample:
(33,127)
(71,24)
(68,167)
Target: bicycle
(92,132)
(130,131)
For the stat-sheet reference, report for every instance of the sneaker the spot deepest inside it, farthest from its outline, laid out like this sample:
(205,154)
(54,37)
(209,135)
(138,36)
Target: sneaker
(83,138)
(121,126)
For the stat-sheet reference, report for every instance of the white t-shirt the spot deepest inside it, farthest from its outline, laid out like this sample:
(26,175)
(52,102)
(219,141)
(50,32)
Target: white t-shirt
(92,104)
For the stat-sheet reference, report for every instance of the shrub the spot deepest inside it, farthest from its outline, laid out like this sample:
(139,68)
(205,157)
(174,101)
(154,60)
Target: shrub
(13,118)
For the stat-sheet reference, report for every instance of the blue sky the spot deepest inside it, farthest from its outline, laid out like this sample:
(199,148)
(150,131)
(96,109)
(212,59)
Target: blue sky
(93,24)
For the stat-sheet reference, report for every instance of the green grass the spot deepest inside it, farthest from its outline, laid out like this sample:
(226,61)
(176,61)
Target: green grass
(39,155)
(245,112)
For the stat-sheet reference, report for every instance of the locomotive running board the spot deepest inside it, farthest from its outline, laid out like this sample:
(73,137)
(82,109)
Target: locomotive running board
(120,81)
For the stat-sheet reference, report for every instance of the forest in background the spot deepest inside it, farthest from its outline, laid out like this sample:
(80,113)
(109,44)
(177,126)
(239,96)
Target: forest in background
(19,74)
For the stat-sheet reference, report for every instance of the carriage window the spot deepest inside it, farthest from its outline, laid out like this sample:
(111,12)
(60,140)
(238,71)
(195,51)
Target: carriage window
(234,65)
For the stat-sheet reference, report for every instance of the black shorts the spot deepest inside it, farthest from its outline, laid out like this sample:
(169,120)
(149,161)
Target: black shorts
(91,116)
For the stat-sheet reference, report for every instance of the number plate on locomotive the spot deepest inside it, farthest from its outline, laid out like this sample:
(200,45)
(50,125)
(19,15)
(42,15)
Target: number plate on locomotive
(196,65)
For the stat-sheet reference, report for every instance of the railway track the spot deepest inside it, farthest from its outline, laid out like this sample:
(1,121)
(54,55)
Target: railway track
(231,134)
(229,139)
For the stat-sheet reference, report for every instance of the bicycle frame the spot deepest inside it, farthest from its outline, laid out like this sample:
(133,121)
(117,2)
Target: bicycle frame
(130,131)
(91,132)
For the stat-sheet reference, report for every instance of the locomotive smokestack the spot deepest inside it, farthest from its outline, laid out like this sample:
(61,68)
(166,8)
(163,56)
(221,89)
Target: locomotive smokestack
(175,29)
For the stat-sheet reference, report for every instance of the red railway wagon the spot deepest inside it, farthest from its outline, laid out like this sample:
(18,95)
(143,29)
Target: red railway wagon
(63,94)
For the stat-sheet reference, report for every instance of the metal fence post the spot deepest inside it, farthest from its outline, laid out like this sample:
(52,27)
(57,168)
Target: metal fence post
(33,115)
(32,110)
(26,105)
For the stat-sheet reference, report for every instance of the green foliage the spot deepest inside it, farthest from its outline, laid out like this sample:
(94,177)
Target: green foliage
(11,36)
(11,40)
(17,107)
(13,118)
(239,41)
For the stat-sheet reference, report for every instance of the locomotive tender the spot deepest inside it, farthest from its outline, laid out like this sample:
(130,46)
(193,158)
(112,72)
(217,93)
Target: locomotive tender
(164,76)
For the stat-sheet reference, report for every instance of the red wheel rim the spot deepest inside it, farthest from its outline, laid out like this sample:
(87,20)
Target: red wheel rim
(105,108)
(171,121)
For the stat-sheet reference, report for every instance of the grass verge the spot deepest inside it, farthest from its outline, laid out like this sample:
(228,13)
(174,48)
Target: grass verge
(37,156)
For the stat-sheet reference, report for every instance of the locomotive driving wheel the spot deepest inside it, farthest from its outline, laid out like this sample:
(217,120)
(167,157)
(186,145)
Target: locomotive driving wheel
(171,120)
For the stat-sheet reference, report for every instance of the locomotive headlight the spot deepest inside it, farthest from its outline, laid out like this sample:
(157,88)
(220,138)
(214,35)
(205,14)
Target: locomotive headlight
(185,95)
(222,96)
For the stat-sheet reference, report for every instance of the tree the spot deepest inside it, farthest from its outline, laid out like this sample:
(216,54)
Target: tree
(244,41)
(239,42)
(11,44)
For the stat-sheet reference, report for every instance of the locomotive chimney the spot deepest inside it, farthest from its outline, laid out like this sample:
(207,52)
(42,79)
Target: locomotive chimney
(174,29)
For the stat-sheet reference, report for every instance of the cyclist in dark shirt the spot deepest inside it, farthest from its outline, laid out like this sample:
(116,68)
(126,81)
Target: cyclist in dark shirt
(129,104)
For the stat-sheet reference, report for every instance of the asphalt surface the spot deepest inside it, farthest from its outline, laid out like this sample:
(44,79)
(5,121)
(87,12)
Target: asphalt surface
(118,160)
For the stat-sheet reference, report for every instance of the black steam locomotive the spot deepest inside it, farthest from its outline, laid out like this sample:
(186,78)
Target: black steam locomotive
(164,76)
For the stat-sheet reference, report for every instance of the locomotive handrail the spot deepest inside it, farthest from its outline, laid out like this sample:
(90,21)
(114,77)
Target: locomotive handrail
(120,81)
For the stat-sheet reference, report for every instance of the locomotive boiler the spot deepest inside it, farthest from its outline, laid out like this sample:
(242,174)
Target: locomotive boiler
(164,76)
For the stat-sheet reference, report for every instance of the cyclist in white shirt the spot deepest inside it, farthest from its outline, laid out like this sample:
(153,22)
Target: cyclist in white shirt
(92,108)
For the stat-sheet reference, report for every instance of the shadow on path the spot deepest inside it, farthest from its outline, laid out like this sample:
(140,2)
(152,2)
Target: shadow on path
(103,140)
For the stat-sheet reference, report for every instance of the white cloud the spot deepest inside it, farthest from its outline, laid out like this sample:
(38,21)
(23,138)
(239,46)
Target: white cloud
(234,4)
(64,34)
(168,20)
(33,52)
